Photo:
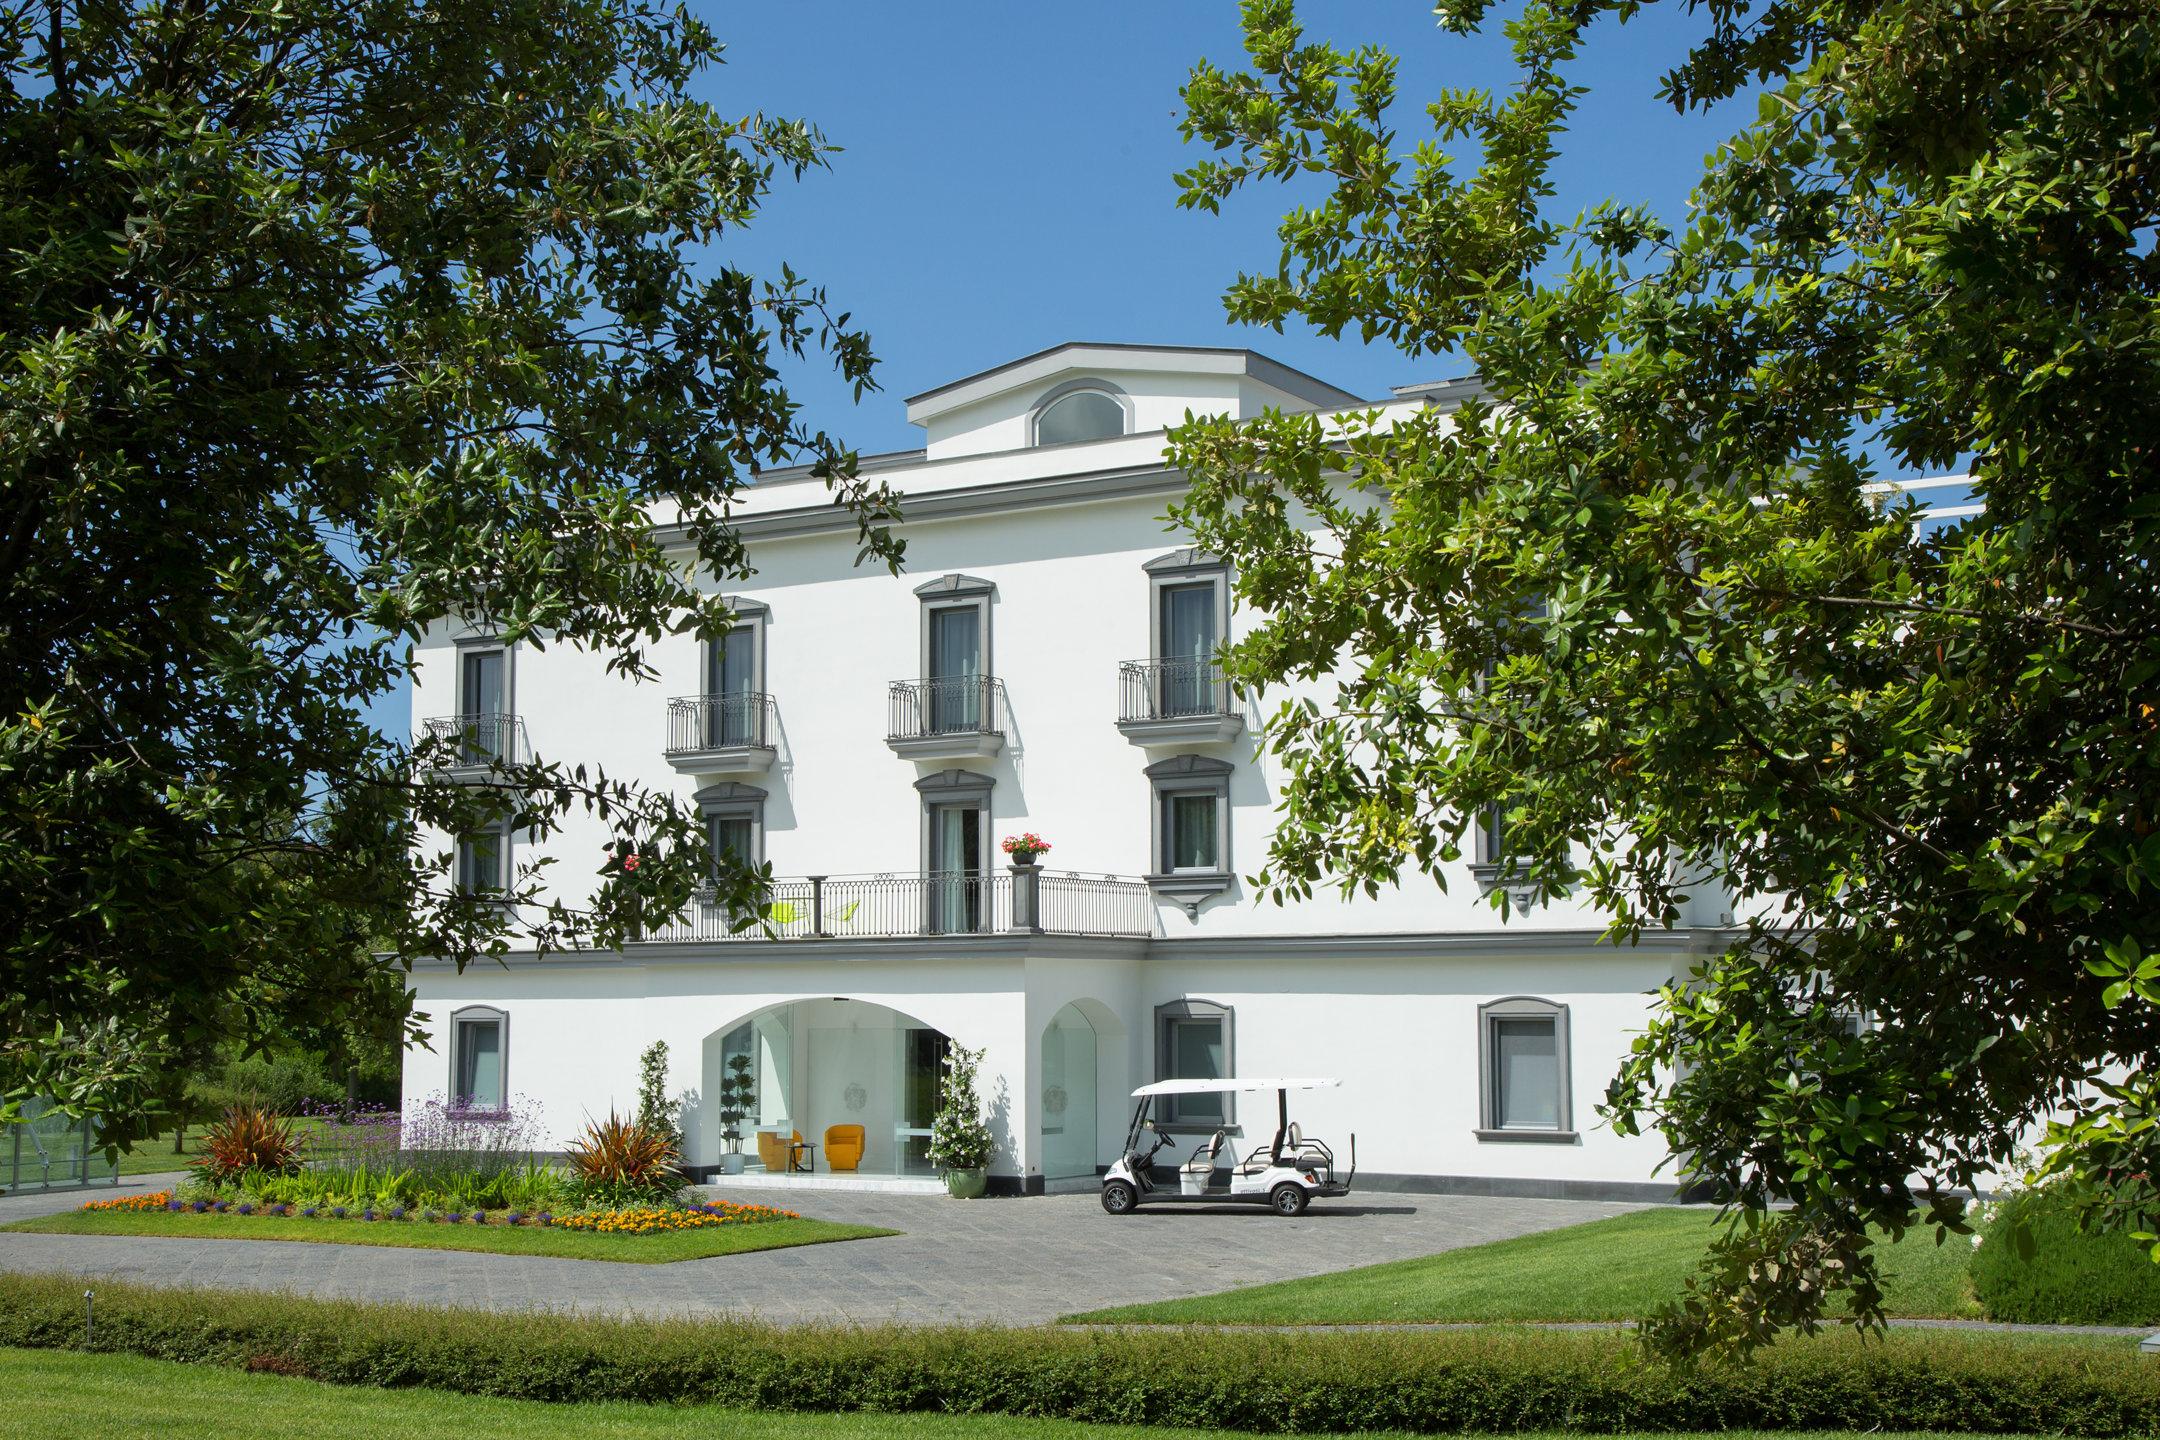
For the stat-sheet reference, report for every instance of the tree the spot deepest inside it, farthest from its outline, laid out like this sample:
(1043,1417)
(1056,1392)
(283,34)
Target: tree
(329,323)
(1642,600)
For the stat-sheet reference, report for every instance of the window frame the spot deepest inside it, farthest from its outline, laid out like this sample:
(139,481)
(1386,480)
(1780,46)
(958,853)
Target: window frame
(1181,568)
(1050,398)
(503,831)
(479,645)
(1168,1016)
(1525,1007)
(971,788)
(459,1018)
(751,615)
(731,800)
(1186,775)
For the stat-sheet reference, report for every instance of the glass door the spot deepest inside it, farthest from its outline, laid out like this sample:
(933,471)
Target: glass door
(922,1064)
(956,669)
(729,689)
(483,702)
(1188,649)
(956,880)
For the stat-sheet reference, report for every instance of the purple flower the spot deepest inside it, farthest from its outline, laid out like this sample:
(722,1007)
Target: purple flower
(247,1207)
(453,1217)
(368,1214)
(175,1205)
(397,1212)
(199,1206)
(479,1217)
(308,1214)
(543,1218)
(513,1218)
(337,1212)
(218,1205)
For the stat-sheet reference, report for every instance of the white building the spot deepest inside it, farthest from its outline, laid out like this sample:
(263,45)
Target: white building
(1042,666)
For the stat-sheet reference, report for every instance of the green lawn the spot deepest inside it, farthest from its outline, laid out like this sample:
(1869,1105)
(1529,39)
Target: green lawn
(60,1395)
(1618,1269)
(422,1235)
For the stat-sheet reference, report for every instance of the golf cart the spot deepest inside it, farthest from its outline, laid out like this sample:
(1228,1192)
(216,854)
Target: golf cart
(1286,1173)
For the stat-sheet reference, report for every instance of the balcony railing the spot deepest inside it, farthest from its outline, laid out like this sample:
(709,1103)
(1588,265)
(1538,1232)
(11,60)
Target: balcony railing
(698,723)
(838,907)
(960,705)
(483,739)
(1171,690)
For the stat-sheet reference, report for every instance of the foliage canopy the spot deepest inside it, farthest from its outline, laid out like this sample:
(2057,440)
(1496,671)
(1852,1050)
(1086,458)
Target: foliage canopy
(1642,598)
(329,324)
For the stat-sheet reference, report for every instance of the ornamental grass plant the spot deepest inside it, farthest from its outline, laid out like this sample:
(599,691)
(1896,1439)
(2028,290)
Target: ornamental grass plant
(618,1161)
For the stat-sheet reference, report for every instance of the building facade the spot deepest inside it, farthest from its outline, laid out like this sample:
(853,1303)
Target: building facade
(1043,665)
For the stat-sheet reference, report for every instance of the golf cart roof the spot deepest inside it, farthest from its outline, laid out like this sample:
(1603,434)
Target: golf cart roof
(1218,1087)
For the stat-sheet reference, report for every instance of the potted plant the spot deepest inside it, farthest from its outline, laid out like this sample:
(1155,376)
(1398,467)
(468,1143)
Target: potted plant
(738,1096)
(1026,848)
(960,1143)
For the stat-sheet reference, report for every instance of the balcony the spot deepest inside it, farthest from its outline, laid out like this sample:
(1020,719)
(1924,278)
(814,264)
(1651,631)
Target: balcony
(1020,901)
(1175,702)
(948,719)
(721,734)
(475,743)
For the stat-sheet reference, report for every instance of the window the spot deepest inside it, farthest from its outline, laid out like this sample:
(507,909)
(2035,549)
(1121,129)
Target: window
(1523,1071)
(732,667)
(479,1057)
(1081,410)
(1190,604)
(483,862)
(956,850)
(1192,1042)
(956,655)
(734,822)
(1491,834)
(1191,856)
(484,702)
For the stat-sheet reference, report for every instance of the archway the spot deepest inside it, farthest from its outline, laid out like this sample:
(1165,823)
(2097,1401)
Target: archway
(820,1069)
(1069,1066)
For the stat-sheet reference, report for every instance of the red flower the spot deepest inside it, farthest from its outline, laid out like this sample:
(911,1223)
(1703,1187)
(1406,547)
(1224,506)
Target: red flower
(629,862)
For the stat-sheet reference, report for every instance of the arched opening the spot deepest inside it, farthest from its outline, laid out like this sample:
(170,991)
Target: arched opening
(1080,410)
(834,1086)
(1069,1067)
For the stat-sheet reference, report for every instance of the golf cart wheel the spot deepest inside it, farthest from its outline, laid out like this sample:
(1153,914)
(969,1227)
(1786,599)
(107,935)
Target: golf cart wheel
(1287,1199)
(1119,1198)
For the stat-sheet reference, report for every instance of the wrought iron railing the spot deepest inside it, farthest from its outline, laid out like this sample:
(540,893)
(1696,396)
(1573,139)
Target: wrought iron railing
(1171,689)
(482,739)
(719,722)
(959,705)
(838,907)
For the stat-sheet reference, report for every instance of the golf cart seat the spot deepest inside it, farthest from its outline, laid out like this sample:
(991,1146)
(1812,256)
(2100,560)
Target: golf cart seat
(1204,1159)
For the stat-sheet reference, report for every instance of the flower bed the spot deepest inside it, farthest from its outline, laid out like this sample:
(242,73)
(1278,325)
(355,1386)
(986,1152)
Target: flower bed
(611,1220)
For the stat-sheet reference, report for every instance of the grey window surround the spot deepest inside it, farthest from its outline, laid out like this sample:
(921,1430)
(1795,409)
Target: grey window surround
(704,752)
(958,741)
(480,644)
(955,787)
(503,831)
(1524,1007)
(1085,385)
(1188,775)
(952,592)
(1168,1017)
(730,800)
(1219,722)
(501,1018)
(750,615)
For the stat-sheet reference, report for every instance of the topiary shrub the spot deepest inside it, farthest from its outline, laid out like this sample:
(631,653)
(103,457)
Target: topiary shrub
(2070,1277)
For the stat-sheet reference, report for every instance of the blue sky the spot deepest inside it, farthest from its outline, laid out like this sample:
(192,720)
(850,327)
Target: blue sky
(1006,176)
(1005,180)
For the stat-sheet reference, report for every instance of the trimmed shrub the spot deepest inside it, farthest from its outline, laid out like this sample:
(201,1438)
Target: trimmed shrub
(1432,1381)
(2072,1277)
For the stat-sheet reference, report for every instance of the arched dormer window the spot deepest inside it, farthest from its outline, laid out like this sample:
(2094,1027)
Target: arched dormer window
(1080,410)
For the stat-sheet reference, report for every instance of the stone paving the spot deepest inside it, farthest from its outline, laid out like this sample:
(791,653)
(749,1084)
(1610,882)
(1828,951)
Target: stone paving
(1002,1262)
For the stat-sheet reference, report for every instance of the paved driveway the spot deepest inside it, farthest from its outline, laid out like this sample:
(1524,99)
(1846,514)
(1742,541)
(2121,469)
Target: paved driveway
(1006,1262)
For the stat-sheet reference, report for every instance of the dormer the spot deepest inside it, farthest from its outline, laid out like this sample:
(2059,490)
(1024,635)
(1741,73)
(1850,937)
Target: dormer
(1085,394)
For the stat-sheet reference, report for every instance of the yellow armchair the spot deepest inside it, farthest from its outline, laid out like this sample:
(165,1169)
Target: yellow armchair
(778,1155)
(844,1146)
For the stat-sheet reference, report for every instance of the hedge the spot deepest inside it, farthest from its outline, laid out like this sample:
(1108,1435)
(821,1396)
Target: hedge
(1470,1380)
(2071,1277)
